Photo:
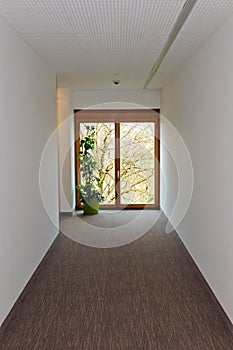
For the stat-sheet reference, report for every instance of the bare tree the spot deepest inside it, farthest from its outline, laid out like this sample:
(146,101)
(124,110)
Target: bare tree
(136,161)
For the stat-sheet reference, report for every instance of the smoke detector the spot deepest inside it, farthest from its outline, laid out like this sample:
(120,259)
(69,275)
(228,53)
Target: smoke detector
(116,81)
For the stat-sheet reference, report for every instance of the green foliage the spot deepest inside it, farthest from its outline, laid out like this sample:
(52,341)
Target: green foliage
(90,189)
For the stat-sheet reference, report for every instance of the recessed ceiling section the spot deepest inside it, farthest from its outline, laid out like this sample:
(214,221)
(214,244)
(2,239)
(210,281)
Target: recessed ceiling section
(86,42)
(203,21)
(93,39)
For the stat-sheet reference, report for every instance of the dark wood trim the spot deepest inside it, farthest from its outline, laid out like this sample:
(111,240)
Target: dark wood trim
(77,161)
(120,115)
(157,160)
(127,206)
(117,163)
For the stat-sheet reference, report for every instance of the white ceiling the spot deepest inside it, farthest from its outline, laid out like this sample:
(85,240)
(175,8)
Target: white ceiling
(88,41)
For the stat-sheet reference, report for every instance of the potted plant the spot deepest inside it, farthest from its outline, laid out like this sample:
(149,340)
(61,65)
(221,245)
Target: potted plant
(90,195)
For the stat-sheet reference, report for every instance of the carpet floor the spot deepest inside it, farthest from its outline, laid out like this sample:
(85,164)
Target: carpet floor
(147,295)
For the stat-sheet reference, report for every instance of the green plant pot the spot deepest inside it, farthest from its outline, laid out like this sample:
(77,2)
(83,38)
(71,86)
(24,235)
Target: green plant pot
(91,207)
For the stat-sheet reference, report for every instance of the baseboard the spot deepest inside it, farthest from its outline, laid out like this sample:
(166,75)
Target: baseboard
(21,295)
(65,213)
(209,289)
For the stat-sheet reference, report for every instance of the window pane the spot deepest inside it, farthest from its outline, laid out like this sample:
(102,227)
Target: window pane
(137,163)
(104,155)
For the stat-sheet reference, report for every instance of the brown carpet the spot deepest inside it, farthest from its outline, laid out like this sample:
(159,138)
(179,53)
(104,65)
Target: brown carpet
(145,295)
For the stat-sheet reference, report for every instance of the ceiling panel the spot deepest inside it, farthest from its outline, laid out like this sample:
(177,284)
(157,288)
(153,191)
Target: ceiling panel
(204,20)
(88,41)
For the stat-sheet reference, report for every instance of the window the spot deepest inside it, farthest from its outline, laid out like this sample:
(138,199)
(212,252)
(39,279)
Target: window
(126,154)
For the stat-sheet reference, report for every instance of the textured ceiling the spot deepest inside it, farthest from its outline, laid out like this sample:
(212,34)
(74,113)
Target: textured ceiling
(88,41)
(204,20)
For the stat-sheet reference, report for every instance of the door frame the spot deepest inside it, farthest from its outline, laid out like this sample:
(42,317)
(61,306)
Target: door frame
(117,116)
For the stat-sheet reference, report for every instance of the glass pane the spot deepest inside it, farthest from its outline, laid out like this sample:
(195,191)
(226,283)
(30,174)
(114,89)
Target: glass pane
(137,161)
(104,155)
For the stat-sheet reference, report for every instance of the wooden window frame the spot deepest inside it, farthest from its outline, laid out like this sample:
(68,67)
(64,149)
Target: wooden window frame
(117,117)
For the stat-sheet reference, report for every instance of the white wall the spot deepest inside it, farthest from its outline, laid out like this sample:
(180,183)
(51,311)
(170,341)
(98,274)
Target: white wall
(67,101)
(116,99)
(198,101)
(65,121)
(28,116)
